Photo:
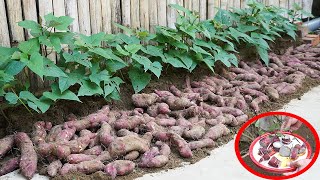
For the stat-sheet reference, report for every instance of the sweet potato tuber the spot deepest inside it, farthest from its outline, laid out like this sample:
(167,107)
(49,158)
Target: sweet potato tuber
(175,91)
(178,103)
(54,168)
(29,158)
(63,149)
(252,92)
(255,103)
(249,77)
(129,122)
(182,145)
(39,132)
(177,129)
(125,132)
(182,122)
(123,145)
(104,134)
(104,156)
(96,150)
(77,158)
(217,131)
(148,156)
(154,159)
(230,110)
(218,100)
(186,113)
(162,94)
(165,121)
(6,144)
(203,143)
(55,130)
(144,100)
(86,167)
(159,132)
(93,120)
(195,133)
(119,168)
(133,155)
(272,93)
(65,135)
(240,120)
(164,149)
(9,166)
(87,133)
(159,108)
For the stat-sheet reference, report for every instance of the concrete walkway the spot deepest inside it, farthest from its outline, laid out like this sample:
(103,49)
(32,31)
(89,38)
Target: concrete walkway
(223,163)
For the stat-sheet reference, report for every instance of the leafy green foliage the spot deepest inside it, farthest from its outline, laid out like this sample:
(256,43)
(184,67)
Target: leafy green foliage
(90,65)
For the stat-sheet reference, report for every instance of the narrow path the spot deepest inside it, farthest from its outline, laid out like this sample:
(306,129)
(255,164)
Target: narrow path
(216,166)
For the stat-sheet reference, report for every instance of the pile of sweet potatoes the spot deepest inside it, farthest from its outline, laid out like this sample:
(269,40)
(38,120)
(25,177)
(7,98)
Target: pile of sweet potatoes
(117,142)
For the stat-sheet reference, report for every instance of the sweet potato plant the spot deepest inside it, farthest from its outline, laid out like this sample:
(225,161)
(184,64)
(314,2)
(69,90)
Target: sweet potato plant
(92,69)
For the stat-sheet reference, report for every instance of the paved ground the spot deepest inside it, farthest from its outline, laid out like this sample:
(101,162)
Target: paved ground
(216,166)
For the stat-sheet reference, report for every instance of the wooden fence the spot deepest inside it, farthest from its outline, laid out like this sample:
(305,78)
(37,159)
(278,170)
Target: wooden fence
(93,16)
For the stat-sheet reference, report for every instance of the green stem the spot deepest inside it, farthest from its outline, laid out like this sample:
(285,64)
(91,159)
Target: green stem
(22,102)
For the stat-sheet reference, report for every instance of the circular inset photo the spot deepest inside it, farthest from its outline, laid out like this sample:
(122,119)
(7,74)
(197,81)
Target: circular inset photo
(277,145)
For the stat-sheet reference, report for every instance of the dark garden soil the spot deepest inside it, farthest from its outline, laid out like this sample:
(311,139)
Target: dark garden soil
(19,119)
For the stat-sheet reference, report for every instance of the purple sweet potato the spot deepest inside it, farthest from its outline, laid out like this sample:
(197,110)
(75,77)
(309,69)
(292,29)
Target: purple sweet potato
(29,158)
(162,94)
(96,150)
(9,166)
(165,121)
(186,113)
(175,91)
(153,159)
(86,132)
(39,132)
(86,167)
(178,129)
(77,158)
(217,131)
(92,120)
(133,155)
(159,108)
(123,145)
(104,134)
(182,122)
(252,92)
(119,168)
(272,93)
(195,133)
(55,130)
(63,149)
(178,103)
(125,132)
(182,145)
(249,77)
(147,156)
(203,143)
(54,168)
(256,102)
(129,122)
(104,156)
(65,135)
(230,110)
(216,99)
(240,120)
(6,144)
(164,149)
(144,100)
